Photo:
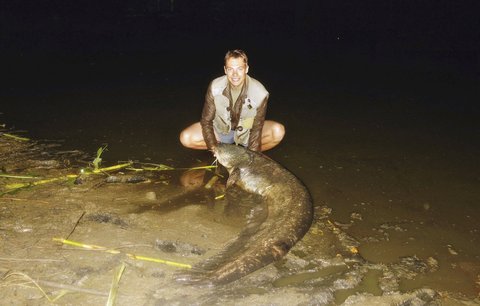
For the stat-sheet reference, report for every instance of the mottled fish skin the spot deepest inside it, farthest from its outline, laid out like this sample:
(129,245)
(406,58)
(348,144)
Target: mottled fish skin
(282,218)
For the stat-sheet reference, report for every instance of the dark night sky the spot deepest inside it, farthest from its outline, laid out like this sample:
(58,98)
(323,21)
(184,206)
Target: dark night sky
(442,26)
(63,37)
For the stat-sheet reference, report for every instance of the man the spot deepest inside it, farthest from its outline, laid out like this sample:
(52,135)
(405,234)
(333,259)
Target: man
(234,111)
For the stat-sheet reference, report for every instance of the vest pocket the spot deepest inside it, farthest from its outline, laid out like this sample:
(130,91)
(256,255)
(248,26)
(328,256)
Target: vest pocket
(247,123)
(221,125)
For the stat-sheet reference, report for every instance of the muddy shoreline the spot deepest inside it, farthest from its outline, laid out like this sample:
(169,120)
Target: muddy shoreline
(324,268)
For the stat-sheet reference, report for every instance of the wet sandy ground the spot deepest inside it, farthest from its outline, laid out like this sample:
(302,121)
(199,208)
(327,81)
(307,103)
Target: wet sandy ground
(178,224)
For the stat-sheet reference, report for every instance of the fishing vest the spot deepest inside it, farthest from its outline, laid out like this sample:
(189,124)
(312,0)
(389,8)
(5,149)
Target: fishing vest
(252,95)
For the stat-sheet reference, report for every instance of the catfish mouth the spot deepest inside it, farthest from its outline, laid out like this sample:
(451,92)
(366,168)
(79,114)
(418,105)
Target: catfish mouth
(221,156)
(217,154)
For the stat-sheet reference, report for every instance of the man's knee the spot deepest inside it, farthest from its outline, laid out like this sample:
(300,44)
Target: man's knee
(273,133)
(278,131)
(186,138)
(192,137)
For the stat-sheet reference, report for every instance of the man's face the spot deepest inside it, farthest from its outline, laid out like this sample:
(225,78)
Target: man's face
(236,71)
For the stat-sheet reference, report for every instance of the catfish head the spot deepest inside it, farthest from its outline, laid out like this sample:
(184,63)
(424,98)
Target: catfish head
(232,156)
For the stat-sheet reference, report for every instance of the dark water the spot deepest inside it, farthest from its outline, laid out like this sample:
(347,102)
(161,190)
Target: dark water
(387,137)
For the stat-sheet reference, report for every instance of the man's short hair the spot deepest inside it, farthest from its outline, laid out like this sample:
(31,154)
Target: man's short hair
(237,53)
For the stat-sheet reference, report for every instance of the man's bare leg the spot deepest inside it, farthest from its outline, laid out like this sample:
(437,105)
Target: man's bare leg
(192,137)
(272,133)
